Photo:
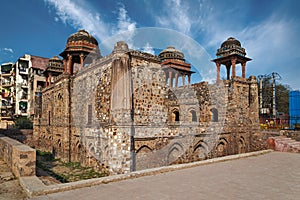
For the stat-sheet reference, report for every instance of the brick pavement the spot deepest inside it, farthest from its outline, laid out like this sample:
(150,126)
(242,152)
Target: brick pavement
(274,175)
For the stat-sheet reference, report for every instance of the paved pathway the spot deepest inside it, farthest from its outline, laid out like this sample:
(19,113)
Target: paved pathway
(274,175)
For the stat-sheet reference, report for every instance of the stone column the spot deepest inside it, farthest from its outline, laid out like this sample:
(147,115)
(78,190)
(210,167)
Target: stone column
(81,60)
(189,79)
(170,79)
(233,62)
(70,67)
(49,79)
(65,65)
(183,79)
(244,69)
(176,79)
(218,72)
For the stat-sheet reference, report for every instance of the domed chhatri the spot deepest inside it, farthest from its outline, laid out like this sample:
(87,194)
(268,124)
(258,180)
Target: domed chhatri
(171,53)
(83,36)
(230,54)
(229,47)
(175,66)
(230,42)
(54,68)
(55,62)
(81,48)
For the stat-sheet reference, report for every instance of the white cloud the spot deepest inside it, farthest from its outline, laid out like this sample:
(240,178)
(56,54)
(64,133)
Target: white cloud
(148,49)
(175,16)
(125,27)
(124,21)
(78,15)
(270,43)
(10,50)
(70,12)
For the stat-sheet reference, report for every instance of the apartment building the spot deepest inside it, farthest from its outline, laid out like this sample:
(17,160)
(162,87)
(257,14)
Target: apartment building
(19,83)
(7,85)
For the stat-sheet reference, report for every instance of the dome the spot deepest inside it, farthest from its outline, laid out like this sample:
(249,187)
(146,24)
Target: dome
(81,43)
(55,60)
(231,42)
(171,53)
(55,64)
(231,47)
(83,36)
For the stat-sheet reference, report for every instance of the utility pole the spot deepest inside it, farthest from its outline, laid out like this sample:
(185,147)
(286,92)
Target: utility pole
(275,76)
(260,77)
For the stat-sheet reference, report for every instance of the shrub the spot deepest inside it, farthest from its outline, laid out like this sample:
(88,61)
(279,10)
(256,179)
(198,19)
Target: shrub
(23,123)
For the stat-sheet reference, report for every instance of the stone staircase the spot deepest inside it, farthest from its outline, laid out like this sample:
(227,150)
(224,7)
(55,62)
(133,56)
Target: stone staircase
(283,144)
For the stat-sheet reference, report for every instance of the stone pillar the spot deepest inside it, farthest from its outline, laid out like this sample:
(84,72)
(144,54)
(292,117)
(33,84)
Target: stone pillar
(218,72)
(176,79)
(121,130)
(233,62)
(49,79)
(81,60)
(70,67)
(65,65)
(244,69)
(183,79)
(189,79)
(170,79)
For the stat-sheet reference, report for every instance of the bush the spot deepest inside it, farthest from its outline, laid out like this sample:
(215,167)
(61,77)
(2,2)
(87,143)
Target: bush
(23,123)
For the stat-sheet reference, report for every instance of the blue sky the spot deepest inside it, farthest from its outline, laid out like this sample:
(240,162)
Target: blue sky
(269,30)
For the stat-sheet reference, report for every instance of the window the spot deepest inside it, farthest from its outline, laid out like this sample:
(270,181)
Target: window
(214,117)
(175,116)
(23,66)
(193,116)
(90,114)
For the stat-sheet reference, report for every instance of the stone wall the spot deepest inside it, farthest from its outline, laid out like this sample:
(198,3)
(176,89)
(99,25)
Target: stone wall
(232,130)
(19,157)
(119,113)
(52,130)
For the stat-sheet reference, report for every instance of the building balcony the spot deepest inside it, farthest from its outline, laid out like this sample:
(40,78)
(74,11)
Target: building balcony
(25,114)
(5,94)
(24,85)
(5,74)
(6,84)
(24,97)
(6,106)
(23,72)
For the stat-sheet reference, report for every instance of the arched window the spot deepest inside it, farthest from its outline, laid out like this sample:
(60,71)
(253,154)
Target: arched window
(214,116)
(193,116)
(153,76)
(175,116)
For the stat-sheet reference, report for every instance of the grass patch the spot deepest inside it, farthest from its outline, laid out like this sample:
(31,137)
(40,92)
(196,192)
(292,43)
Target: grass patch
(65,171)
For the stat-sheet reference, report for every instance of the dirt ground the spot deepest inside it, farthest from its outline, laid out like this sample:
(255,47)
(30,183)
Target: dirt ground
(9,185)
